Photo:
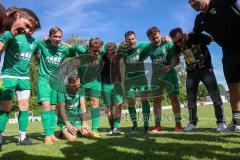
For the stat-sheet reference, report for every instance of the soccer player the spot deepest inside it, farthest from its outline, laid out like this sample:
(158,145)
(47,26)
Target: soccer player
(193,47)
(111,97)
(135,78)
(221,19)
(7,17)
(51,52)
(19,46)
(89,73)
(71,104)
(164,59)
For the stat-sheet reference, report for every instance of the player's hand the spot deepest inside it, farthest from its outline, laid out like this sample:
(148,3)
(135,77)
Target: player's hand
(166,39)
(45,38)
(70,128)
(85,130)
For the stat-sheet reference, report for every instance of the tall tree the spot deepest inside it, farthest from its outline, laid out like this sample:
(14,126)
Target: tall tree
(182,82)
(202,92)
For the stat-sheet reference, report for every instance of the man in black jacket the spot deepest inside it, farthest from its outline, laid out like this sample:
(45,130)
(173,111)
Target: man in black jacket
(221,19)
(193,47)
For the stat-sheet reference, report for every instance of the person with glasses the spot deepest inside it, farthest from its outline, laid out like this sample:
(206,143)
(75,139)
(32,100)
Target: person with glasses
(193,46)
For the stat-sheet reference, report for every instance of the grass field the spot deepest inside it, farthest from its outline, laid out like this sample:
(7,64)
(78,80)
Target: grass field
(203,143)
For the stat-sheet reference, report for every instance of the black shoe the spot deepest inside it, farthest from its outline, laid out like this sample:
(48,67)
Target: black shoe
(232,128)
(24,142)
(146,130)
(134,130)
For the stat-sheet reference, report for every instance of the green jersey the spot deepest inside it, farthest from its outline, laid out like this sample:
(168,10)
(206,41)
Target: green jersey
(18,53)
(160,56)
(51,57)
(72,104)
(133,59)
(90,66)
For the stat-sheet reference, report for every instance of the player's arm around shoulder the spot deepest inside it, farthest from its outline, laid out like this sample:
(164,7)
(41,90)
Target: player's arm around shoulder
(173,54)
(145,50)
(5,38)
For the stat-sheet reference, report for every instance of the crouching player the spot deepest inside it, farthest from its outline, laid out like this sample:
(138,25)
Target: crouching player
(111,97)
(71,105)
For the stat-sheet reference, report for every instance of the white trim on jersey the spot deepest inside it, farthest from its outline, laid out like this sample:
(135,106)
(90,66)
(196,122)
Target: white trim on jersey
(14,77)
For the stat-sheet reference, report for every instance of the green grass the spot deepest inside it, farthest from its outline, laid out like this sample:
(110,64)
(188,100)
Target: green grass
(204,143)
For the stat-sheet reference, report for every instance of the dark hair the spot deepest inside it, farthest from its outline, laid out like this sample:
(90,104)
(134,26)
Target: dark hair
(72,79)
(54,30)
(152,31)
(30,15)
(174,31)
(110,46)
(12,10)
(95,42)
(129,33)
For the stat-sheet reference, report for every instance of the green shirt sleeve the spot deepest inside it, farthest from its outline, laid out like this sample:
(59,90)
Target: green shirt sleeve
(5,37)
(60,97)
(37,50)
(172,52)
(172,49)
(79,49)
(145,53)
(68,51)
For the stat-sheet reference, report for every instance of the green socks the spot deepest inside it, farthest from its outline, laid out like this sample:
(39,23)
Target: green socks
(95,114)
(146,113)
(23,120)
(3,120)
(116,122)
(133,114)
(111,122)
(46,120)
(178,118)
(53,121)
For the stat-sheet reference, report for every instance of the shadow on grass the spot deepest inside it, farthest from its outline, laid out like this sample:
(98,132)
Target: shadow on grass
(167,145)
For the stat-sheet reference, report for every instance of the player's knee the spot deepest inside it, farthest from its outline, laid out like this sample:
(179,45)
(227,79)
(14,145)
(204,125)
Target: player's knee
(23,105)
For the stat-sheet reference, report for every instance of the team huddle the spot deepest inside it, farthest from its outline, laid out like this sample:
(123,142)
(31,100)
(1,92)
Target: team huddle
(70,75)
